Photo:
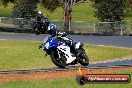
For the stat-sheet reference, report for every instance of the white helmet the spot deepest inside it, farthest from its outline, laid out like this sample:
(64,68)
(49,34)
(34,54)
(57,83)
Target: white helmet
(39,12)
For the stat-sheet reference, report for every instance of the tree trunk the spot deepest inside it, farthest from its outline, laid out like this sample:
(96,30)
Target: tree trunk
(67,20)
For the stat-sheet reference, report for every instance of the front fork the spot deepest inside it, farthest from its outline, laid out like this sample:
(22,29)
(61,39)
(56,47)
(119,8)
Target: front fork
(58,53)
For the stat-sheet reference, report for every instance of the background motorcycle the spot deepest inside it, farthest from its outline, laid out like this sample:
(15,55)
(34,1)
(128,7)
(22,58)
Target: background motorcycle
(40,27)
(62,54)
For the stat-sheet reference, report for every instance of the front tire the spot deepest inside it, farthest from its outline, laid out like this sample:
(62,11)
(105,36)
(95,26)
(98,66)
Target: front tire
(36,30)
(84,60)
(60,62)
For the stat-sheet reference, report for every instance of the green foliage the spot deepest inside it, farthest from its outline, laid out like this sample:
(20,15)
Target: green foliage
(81,12)
(109,10)
(24,9)
(128,6)
(5,2)
(51,5)
(6,12)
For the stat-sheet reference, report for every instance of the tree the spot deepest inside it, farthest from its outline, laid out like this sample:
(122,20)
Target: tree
(109,10)
(50,5)
(24,9)
(67,8)
(110,13)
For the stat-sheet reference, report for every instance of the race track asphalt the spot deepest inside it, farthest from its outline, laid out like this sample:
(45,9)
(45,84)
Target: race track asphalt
(118,41)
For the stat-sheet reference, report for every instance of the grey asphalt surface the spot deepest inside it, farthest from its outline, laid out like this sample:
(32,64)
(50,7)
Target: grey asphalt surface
(127,62)
(118,41)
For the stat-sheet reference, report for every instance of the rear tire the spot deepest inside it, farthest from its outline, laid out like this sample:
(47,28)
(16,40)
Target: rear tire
(56,60)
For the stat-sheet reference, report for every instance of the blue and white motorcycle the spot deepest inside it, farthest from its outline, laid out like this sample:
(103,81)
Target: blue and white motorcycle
(64,52)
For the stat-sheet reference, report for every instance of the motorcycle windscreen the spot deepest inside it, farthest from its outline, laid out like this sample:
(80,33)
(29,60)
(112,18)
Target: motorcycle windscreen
(51,42)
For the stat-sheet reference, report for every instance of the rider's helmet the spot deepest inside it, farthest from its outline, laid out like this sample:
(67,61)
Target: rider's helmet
(39,16)
(52,28)
(39,12)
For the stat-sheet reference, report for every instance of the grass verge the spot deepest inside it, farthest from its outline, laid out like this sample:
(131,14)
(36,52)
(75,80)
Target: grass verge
(18,54)
(61,83)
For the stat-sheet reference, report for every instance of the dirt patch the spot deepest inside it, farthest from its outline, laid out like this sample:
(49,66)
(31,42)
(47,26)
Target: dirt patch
(7,25)
(58,74)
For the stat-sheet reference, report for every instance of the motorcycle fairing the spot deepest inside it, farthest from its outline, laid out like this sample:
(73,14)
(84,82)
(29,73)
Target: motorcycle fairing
(51,42)
(66,50)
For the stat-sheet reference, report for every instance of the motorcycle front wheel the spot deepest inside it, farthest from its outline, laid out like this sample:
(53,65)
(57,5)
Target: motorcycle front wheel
(84,60)
(36,30)
(60,62)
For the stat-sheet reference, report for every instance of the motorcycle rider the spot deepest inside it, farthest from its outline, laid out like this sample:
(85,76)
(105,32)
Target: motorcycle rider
(40,19)
(61,53)
(39,16)
(62,36)
(52,30)
(41,23)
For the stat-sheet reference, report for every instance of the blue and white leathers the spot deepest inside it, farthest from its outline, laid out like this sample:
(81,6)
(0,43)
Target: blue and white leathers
(50,42)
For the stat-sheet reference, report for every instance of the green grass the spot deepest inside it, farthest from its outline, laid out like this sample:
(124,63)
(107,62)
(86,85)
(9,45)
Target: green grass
(21,55)
(6,11)
(60,83)
(83,11)
(79,13)
(101,53)
(18,54)
(128,19)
